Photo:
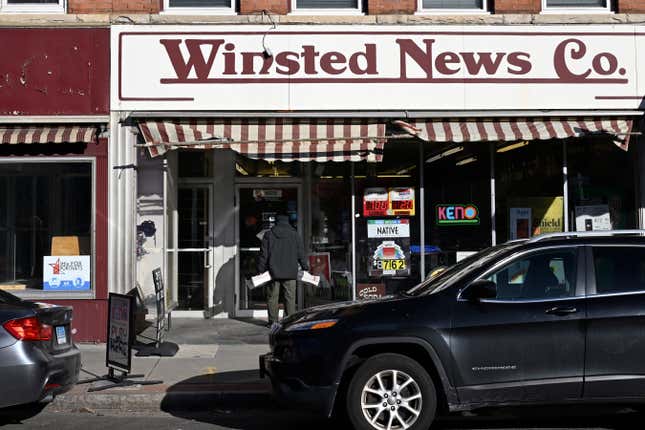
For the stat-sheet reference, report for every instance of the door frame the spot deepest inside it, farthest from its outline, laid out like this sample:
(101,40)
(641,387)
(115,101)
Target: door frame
(248,183)
(210,278)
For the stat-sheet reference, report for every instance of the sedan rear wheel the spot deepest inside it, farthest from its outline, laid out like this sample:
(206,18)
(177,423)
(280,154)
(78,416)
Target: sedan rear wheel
(391,392)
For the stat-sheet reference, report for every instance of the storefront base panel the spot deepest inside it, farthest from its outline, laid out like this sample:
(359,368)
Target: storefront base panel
(90,318)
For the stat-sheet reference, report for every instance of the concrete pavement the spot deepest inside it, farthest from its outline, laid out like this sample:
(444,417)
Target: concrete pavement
(219,368)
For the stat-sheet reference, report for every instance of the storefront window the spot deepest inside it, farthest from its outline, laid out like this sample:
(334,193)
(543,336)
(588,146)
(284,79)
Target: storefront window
(331,233)
(388,222)
(529,189)
(458,215)
(601,196)
(46,226)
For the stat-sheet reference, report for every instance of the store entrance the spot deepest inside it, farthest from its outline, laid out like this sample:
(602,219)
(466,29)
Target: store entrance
(195,236)
(258,204)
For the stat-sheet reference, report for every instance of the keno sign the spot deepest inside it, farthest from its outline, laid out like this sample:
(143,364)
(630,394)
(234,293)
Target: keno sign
(385,67)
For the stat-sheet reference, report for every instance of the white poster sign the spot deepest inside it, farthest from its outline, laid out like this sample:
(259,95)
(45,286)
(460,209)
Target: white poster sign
(66,273)
(388,228)
(592,218)
(347,67)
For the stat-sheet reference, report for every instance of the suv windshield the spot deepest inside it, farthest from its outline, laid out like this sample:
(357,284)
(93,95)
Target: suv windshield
(445,278)
(8,298)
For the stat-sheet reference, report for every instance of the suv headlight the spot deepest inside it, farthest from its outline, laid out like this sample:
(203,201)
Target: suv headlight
(312,325)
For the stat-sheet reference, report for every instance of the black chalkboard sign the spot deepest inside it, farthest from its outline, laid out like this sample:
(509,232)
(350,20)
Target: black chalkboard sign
(120,335)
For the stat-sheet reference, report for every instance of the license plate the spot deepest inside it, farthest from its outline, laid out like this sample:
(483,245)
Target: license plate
(61,335)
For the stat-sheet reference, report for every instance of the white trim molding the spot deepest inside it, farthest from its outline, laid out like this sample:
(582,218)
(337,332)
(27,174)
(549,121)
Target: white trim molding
(441,11)
(582,10)
(168,10)
(59,7)
(295,10)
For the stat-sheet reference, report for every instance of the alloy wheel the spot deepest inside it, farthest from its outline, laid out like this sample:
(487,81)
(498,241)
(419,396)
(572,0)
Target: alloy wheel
(391,400)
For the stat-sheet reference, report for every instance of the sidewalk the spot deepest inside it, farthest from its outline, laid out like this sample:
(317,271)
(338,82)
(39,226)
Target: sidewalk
(216,367)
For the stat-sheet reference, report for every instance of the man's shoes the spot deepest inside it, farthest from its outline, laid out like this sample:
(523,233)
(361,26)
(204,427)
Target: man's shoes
(269,324)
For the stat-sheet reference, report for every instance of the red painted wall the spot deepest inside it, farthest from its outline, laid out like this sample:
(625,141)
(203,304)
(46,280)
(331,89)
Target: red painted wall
(47,71)
(54,72)
(90,315)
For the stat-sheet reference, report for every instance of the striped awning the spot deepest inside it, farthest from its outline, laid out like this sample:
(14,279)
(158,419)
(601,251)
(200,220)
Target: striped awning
(272,139)
(48,134)
(513,129)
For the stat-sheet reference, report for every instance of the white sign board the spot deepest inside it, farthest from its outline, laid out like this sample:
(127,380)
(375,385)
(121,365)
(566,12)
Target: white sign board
(221,67)
(592,218)
(66,273)
(388,228)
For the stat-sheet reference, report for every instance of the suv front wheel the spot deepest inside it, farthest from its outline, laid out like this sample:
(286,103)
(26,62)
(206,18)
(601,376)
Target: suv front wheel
(391,392)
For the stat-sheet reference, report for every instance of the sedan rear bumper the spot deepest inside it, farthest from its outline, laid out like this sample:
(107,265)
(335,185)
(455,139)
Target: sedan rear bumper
(30,374)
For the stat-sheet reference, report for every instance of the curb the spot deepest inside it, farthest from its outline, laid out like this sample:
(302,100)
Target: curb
(166,401)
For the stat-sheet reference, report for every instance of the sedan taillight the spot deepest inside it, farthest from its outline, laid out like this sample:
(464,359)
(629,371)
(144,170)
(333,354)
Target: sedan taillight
(29,328)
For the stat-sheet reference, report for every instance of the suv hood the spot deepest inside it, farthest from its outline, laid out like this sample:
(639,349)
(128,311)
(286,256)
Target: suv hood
(337,310)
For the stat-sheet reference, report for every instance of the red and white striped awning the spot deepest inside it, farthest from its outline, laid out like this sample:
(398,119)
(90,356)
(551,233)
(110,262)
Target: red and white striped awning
(271,139)
(513,129)
(48,134)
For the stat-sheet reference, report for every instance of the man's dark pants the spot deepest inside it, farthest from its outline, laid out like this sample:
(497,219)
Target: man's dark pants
(273,295)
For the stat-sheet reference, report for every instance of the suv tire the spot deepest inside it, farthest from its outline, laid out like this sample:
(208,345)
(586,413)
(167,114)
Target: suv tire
(375,401)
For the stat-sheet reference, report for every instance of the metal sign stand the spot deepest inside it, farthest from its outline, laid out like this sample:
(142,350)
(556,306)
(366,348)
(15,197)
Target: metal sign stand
(159,347)
(118,356)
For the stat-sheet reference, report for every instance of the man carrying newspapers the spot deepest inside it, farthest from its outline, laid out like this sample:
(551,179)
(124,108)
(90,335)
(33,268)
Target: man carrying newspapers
(282,250)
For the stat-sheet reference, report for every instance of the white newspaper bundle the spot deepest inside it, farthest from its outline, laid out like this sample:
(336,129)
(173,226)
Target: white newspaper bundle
(308,278)
(259,280)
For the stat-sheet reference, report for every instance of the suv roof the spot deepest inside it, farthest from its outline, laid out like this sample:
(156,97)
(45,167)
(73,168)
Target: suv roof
(631,237)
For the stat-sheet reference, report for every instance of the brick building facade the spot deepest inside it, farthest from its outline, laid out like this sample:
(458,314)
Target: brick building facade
(132,195)
(367,7)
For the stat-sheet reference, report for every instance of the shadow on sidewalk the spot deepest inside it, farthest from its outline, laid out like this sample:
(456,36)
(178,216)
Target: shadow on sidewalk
(17,414)
(239,400)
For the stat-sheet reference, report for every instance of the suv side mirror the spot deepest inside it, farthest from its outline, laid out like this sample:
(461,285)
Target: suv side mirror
(480,289)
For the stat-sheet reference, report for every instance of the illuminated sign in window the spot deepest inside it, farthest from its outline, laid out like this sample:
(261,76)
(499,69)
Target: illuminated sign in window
(457,214)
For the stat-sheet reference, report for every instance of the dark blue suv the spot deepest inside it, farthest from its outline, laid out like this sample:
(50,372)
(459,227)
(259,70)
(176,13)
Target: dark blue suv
(555,319)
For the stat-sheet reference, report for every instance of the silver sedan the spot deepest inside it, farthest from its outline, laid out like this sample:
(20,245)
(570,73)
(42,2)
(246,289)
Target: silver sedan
(38,359)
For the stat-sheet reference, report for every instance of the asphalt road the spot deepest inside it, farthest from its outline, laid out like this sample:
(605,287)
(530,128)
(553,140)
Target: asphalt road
(596,418)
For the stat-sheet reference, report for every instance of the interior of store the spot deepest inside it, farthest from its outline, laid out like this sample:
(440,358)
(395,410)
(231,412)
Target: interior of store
(474,195)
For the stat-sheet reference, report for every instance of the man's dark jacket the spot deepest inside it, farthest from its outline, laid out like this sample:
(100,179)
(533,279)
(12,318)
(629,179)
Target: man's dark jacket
(282,250)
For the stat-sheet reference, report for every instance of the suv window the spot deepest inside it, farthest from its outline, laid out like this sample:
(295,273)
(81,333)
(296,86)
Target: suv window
(544,275)
(619,269)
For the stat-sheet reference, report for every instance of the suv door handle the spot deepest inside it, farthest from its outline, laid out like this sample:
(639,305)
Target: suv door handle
(561,311)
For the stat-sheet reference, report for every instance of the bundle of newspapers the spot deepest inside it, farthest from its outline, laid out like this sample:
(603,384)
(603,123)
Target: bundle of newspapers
(265,278)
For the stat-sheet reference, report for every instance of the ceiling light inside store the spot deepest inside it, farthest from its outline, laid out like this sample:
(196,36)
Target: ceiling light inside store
(241,170)
(465,161)
(450,151)
(393,176)
(513,146)
(406,170)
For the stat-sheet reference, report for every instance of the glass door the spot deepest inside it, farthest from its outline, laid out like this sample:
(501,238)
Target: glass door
(195,268)
(258,205)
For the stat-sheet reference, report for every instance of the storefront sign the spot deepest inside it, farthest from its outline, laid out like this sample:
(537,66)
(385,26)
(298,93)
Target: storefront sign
(120,331)
(388,242)
(349,67)
(547,213)
(370,291)
(270,195)
(66,273)
(593,217)
(457,214)
(397,201)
